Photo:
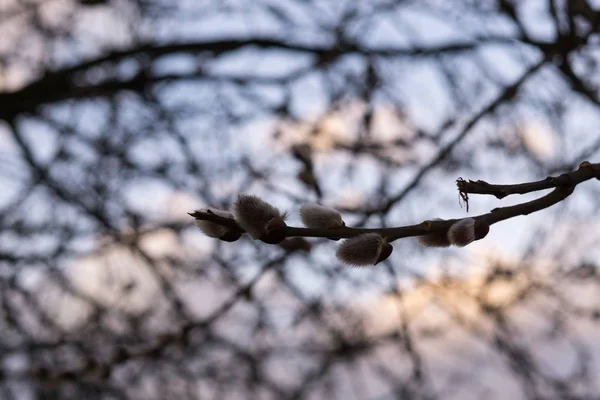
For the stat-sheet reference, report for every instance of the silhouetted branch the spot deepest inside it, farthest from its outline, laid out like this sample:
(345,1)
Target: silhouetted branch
(585,172)
(565,185)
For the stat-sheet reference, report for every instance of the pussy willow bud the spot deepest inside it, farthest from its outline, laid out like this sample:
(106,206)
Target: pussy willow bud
(317,216)
(214,229)
(296,244)
(260,219)
(435,239)
(467,230)
(275,231)
(363,250)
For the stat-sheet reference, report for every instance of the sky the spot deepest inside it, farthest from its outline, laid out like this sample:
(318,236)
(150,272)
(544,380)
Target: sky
(427,104)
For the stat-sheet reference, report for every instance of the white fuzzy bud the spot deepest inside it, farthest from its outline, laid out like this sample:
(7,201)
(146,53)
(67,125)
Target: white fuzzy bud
(317,216)
(467,230)
(364,250)
(213,229)
(254,214)
(435,239)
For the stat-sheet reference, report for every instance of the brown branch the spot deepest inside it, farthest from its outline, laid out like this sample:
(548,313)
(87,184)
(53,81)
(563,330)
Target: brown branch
(564,185)
(70,82)
(585,171)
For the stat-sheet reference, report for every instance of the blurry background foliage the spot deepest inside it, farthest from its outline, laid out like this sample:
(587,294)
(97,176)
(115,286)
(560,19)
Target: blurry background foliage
(119,117)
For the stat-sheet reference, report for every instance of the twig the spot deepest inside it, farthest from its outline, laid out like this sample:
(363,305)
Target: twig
(563,186)
(586,171)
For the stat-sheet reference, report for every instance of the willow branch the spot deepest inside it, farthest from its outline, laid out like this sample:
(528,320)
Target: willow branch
(563,186)
(585,171)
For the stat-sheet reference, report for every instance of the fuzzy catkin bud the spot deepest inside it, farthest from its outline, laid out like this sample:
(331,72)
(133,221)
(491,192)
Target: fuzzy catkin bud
(275,231)
(435,239)
(257,217)
(467,230)
(364,250)
(213,229)
(317,216)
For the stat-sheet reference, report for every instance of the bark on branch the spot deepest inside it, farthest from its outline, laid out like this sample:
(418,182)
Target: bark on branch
(563,186)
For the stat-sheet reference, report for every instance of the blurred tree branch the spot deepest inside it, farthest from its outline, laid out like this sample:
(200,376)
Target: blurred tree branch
(122,115)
